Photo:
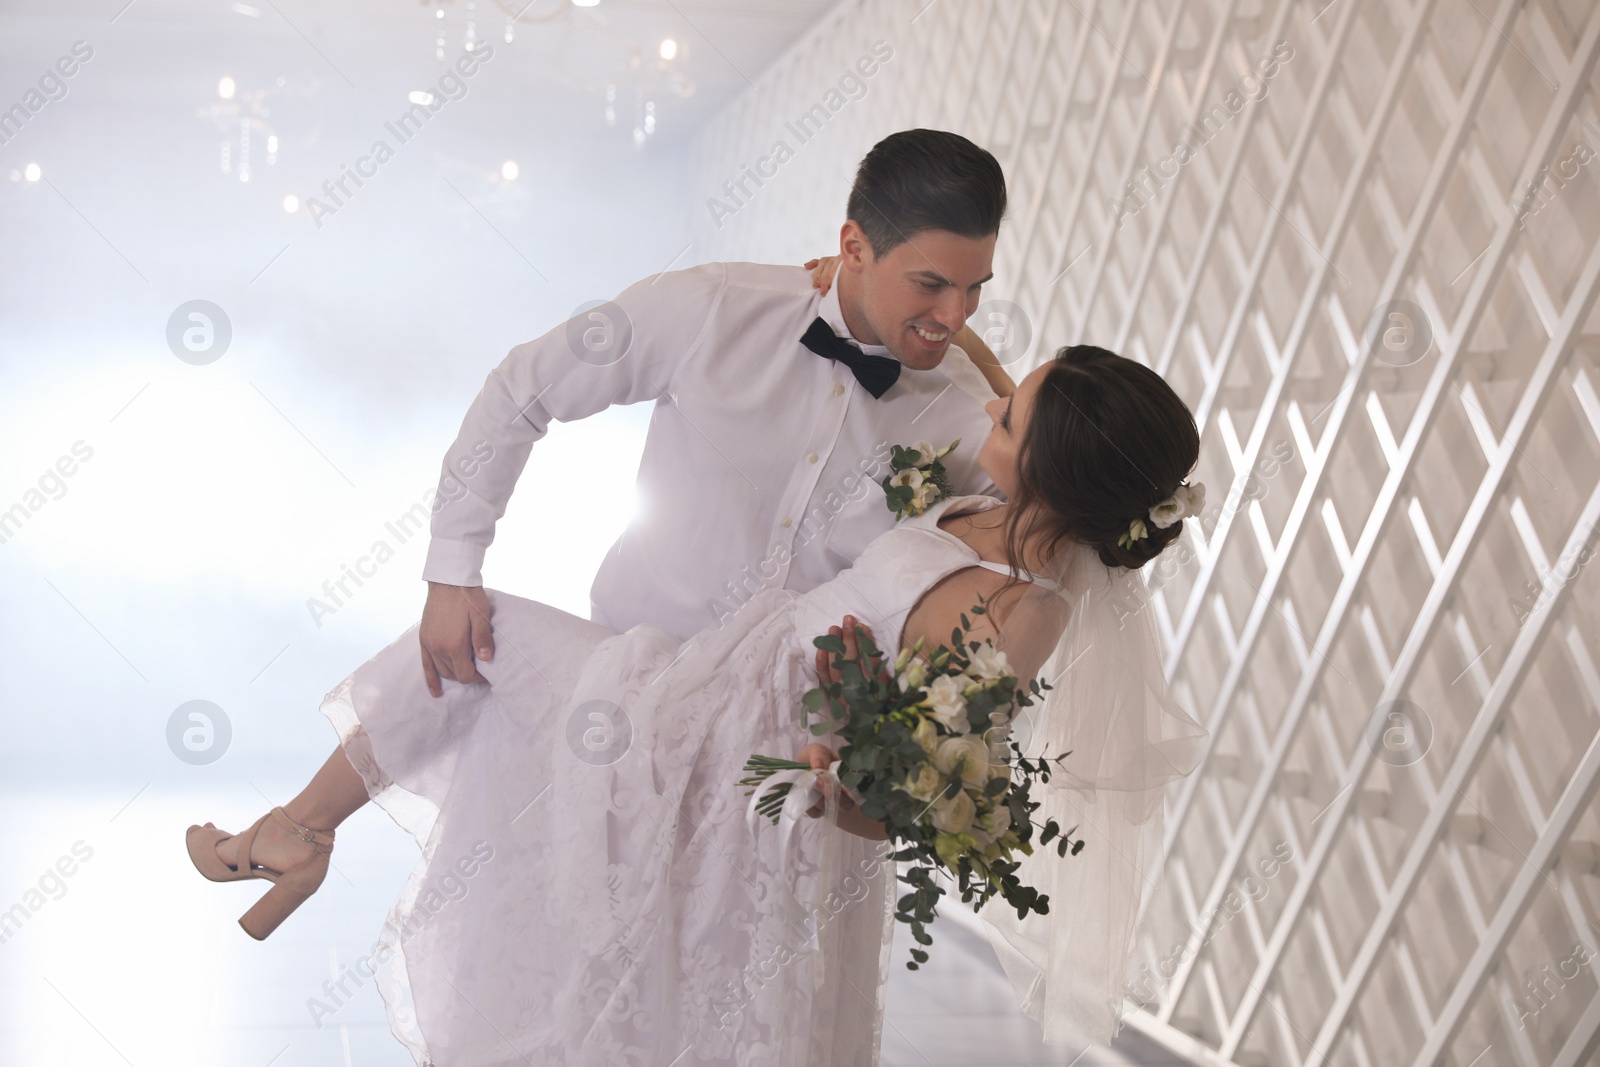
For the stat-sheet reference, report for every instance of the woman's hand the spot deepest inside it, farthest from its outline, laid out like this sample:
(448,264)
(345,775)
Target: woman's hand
(851,631)
(822,271)
(820,756)
(850,818)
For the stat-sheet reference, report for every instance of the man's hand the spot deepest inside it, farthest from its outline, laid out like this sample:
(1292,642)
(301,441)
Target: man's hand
(455,621)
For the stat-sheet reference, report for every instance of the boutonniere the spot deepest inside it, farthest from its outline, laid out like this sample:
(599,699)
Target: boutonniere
(917,478)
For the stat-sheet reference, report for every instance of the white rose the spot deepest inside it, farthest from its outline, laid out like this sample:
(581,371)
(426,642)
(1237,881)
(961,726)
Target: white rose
(968,750)
(988,663)
(924,784)
(954,815)
(926,494)
(947,703)
(925,452)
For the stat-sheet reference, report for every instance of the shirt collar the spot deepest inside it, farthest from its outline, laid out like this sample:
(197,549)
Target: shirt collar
(833,315)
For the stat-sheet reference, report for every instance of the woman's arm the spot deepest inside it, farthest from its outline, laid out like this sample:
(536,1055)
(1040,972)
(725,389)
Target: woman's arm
(985,360)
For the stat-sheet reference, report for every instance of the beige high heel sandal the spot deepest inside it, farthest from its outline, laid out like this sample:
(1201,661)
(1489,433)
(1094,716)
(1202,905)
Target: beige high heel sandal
(289,888)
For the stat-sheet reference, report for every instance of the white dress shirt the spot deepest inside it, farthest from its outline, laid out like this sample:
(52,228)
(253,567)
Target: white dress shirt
(763,460)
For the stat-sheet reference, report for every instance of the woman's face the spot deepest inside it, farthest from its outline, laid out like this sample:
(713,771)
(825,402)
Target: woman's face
(1009,416)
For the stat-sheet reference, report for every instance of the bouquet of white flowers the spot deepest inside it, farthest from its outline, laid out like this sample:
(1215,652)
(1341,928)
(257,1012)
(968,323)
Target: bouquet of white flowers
(928,751)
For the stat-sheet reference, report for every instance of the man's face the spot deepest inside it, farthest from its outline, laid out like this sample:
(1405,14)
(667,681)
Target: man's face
(916,297)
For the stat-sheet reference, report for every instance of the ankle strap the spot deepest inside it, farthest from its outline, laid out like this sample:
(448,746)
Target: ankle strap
(322,839)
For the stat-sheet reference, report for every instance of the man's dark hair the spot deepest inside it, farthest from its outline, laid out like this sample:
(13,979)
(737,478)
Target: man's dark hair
(918,180)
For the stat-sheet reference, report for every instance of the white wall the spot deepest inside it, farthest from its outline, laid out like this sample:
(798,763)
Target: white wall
(1387,623)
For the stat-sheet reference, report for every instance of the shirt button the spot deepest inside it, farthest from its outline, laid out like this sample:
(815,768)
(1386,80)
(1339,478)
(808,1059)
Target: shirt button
(838,390)
(812,458)
(785,524)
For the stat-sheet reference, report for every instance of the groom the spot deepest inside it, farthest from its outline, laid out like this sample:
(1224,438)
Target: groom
(775,407)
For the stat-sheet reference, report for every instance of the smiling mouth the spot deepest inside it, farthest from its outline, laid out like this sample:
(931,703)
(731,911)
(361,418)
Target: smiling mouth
(930,336)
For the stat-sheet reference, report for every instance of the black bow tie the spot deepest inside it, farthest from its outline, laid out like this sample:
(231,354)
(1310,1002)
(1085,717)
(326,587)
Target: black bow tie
(875,373)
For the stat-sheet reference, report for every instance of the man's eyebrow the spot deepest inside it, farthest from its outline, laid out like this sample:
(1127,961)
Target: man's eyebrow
(942,280)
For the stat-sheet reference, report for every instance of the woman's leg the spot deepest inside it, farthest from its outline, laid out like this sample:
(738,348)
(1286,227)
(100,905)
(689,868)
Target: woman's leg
(332,796)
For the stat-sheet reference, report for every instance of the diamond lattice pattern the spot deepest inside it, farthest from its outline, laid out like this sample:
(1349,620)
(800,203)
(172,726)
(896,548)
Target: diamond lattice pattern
(1360,238)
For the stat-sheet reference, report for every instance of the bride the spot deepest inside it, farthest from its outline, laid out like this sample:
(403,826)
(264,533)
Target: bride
(589,889)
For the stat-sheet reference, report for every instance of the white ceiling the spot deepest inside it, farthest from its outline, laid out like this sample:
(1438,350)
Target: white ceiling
(561,59)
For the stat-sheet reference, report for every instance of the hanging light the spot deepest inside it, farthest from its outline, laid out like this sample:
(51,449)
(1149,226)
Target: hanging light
(225,88)
(669,48)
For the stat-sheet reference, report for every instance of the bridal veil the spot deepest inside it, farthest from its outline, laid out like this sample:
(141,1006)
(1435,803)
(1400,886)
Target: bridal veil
(1093,638)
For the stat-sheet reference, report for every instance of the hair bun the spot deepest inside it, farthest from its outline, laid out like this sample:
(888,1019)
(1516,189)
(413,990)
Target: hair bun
(1107,442)
(1137,553)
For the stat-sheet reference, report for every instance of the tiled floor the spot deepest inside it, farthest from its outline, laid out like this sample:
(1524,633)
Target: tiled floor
(134,960)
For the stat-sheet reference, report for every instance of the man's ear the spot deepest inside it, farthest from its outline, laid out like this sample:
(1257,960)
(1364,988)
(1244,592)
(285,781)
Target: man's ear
(855,252)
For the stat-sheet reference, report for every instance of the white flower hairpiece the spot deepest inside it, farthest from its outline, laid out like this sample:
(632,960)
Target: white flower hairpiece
(1186,500)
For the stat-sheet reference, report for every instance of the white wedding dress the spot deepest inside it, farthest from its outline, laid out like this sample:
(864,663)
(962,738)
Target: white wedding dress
(589,890)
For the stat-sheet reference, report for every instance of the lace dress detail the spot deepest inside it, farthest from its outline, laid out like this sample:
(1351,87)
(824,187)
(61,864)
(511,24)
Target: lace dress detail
(589,891)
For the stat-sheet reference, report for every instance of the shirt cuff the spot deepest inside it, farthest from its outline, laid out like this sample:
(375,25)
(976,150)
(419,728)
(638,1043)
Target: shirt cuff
(452,562)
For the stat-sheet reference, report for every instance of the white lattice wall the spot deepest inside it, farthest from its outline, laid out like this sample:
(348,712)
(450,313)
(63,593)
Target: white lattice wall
(1390,854)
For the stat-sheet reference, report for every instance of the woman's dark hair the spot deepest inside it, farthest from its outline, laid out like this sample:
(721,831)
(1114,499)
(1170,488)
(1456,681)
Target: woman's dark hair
(918,180)
(1107,439)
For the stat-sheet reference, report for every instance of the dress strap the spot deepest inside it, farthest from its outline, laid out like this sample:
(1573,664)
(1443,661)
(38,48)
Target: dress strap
(1001,568)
